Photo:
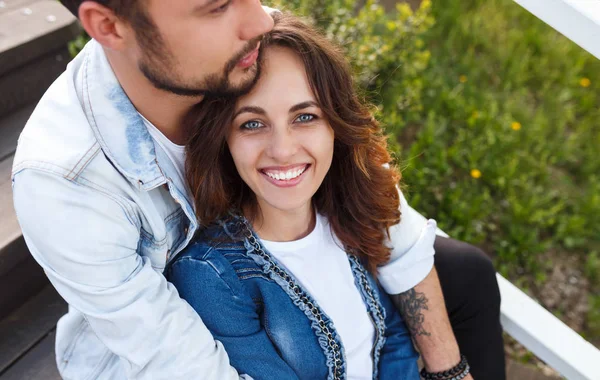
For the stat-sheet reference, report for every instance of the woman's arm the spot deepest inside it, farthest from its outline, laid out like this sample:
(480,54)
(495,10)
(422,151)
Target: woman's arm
(214,291)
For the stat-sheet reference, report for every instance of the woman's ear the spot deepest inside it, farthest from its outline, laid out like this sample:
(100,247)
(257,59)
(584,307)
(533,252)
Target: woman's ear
(103,25)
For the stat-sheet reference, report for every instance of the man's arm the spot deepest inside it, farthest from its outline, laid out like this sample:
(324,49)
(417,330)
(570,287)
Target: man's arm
(86,240)
(424,312)
(411,280)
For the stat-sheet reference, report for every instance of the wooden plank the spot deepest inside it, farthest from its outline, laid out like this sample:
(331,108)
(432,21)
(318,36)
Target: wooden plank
(25,327)
(33,31)
(24,277)
(30,21)
(18,270)
(578,20)
(38,363)
(10,5)
(10,230)
(27,83)
(11,126)
(545,335)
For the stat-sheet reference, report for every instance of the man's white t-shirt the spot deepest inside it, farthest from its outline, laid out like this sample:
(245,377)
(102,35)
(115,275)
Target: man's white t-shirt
(323,269)
(176,153)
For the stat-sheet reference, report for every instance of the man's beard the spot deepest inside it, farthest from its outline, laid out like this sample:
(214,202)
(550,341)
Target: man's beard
(155,65)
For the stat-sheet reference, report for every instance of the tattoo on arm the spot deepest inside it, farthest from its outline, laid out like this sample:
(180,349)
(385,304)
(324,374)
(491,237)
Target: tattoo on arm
(411,307)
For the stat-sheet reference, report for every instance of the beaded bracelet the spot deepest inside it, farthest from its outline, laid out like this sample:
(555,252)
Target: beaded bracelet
(457,372)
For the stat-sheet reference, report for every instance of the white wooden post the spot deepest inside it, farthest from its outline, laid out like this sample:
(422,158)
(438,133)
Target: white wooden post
(547,336)
(578,20)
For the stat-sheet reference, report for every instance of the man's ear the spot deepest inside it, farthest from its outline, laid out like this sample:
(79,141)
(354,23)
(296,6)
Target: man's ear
(103,25)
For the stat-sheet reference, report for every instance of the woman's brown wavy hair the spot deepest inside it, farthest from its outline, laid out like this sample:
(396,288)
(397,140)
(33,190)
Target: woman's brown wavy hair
(358,195)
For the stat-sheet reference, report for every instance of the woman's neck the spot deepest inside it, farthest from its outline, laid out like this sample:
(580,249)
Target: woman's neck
(284,225)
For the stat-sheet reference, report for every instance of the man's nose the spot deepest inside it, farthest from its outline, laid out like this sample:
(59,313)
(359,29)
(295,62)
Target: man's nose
(257,21)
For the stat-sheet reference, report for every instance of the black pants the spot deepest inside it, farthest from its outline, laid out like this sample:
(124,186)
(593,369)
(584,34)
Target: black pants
(472,297)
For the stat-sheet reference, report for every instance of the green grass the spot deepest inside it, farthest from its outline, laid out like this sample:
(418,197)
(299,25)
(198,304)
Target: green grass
(539,187)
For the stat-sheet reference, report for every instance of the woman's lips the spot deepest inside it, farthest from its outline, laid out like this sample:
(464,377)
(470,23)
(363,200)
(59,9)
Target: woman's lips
(285,182)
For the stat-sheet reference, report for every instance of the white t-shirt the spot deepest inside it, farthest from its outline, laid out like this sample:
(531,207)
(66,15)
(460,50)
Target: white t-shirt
(323,269)
(176,153)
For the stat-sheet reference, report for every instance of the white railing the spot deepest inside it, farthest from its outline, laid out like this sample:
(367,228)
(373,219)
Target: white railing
(578,20)
(524,319)
(545,335)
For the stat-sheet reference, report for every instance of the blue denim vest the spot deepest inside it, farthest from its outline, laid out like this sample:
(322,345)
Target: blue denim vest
(269,325)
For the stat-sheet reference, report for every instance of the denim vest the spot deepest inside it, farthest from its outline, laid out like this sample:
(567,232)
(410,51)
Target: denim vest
(299,339)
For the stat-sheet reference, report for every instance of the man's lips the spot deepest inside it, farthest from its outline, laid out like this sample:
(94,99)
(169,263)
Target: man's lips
(249,59)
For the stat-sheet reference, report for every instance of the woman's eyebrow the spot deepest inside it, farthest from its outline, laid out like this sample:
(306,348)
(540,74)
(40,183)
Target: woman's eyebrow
(250,109)
(299,106)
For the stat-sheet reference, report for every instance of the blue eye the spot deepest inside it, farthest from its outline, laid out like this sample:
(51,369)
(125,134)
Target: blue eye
(251,125)
(305,118)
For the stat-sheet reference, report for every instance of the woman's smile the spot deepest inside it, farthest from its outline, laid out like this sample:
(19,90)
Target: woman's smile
(287,176)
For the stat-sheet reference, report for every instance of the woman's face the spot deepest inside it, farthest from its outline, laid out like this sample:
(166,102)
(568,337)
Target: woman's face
(280,142)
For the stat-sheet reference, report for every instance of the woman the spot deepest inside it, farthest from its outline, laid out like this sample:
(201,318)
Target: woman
(297,196)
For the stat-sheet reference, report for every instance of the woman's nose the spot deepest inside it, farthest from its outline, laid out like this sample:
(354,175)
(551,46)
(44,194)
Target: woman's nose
(283,145)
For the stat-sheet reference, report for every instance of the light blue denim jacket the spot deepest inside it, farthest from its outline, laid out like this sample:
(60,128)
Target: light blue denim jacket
(102,212)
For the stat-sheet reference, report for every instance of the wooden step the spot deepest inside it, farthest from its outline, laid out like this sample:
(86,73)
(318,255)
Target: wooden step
(20,275)
(30,29)
(10,231)
(38,363)
(33,49)
(11,126)
(23,335)
(28,83)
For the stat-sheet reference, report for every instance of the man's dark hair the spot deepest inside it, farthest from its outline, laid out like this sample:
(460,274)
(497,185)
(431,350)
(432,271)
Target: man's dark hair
(122,8)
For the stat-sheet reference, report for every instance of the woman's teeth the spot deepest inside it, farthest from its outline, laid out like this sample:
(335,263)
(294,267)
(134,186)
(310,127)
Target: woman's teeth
(285,176)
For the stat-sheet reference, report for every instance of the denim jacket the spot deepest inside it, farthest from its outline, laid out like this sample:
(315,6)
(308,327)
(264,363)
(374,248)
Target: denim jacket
(103,217)
(269,324)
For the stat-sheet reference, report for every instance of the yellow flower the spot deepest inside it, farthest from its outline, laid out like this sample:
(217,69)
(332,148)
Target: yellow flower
(475,115)
(462,78)
(475,173)
(515,125)
(585,82)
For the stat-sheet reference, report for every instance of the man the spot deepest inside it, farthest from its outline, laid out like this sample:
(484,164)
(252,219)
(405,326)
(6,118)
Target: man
(100,193)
